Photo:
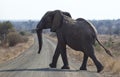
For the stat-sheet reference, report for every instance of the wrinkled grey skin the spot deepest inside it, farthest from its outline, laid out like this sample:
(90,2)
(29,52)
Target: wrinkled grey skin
(79,34)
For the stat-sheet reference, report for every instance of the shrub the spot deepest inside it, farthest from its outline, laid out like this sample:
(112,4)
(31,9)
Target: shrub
(22,33)
(109,43)
(13,38)
(97,47)
(5,27)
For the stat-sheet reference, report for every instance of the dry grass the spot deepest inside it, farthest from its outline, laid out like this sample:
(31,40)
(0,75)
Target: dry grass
(12,52)
(111,64)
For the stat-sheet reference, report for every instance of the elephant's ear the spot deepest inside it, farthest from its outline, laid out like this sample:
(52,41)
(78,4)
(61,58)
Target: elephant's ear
(57,21)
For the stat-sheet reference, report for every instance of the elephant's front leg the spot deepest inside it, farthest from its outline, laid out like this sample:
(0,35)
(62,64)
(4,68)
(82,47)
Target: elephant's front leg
(61,49)
(64,58)
(55,57)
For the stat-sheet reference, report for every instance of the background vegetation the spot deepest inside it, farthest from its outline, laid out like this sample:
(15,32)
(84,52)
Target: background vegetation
(9,36)
(13,32)
(107,26)
(102,26)
(19,29)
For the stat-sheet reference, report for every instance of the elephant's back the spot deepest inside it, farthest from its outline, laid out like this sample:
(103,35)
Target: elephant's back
(87,25)
(78,35)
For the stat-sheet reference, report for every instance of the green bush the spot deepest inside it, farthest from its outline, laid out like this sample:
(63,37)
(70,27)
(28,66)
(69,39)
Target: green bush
(22,33)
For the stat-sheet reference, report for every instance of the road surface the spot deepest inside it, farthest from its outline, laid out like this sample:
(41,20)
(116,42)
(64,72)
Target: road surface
(31,64)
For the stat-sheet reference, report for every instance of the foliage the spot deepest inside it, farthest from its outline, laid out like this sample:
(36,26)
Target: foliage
(24,25)
(102,26)
(107,26)
(22,33)
(97,47)
(109,43)
(5,28)
(8,35)
(13,38)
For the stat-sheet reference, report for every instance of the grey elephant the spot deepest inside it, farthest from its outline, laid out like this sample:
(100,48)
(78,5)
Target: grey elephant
(78,34)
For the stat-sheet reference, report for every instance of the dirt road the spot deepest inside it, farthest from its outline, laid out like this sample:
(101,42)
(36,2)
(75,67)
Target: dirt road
(31,64)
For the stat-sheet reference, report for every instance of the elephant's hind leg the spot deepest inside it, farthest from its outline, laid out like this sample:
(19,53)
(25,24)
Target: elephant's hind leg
(83,67)
(93,57)
(97,63)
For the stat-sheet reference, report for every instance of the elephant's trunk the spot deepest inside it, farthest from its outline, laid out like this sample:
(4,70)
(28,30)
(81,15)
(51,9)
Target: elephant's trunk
(39,34)
(40,26)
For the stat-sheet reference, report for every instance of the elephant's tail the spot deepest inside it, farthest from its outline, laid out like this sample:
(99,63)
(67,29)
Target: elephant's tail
(107,51)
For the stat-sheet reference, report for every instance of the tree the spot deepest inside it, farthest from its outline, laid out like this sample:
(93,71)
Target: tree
(5,28)
(117,31)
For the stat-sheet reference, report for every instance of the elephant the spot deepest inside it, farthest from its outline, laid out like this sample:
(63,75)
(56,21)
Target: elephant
(78,34)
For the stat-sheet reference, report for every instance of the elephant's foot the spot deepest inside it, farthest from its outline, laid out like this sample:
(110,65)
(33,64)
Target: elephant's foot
(65,67)
(52,65)
(100,69)
(83,68)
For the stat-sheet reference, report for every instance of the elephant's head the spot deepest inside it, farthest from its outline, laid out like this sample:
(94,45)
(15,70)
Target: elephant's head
(52,20)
